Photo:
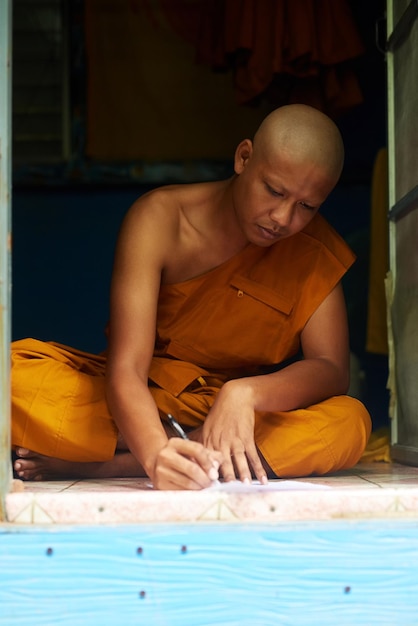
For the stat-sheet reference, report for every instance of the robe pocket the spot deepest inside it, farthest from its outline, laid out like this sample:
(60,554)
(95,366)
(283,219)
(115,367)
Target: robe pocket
(243,325)
(260,331)
(263,294)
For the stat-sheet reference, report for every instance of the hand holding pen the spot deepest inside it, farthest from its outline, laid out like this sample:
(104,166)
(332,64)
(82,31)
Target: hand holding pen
(213,472)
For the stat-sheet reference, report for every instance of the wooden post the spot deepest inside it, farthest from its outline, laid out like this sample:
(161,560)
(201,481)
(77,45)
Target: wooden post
(5,246)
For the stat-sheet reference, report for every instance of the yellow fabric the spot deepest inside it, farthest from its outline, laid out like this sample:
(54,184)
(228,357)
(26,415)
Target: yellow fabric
(59,409)
(377,333)
(378,447)
(244,314)
(320,439)
(58,402)
(326,437)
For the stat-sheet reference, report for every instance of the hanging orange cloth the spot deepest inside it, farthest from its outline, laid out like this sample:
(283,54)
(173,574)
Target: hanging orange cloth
(300,50)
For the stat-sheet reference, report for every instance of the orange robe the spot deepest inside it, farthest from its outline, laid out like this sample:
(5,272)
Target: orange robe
(235,320)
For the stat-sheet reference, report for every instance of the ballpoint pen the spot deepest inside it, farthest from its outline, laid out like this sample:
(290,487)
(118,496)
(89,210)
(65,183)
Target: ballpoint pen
(176,426)
(213,472)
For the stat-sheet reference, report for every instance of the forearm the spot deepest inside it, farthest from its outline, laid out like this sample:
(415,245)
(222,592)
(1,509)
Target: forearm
(136,416)
(299,385)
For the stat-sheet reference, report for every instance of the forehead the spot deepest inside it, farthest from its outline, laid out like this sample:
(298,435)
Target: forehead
(301,177)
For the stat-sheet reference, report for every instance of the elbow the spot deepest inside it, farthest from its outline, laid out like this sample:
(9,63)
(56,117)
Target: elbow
(343,380)
(338,379)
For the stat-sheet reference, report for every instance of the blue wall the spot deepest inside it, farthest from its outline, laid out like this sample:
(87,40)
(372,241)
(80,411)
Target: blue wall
(63,246)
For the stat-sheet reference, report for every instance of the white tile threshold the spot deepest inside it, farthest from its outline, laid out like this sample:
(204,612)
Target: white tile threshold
(374,490)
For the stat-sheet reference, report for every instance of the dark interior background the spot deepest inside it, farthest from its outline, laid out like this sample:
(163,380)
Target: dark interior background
(65,226)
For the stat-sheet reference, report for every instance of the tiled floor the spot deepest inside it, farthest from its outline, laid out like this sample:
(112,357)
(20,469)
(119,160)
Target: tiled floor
(369,490)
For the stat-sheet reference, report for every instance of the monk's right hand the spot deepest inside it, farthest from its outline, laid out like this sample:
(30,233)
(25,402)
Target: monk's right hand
(185,465)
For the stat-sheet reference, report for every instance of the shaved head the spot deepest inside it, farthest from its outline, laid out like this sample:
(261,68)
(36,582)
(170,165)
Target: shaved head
(305,135)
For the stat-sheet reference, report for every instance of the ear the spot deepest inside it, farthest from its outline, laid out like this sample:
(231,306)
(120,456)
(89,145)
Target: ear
(242,155)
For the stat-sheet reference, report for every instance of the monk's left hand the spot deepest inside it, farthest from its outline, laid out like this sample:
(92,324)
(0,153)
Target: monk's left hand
(229,428)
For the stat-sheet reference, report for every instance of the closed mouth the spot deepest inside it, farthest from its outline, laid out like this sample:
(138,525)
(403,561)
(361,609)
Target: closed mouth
(268,232)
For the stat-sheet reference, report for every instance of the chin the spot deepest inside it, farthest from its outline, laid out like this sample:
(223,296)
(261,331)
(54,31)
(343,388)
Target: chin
(263,243)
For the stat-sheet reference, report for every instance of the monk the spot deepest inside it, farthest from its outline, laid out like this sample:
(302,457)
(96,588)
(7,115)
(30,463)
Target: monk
(227,312)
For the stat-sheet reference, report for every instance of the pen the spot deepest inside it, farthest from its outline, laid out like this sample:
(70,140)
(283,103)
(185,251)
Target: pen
(213,472)
(176,426)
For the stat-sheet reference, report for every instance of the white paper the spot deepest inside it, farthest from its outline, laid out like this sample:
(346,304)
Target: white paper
(273,485)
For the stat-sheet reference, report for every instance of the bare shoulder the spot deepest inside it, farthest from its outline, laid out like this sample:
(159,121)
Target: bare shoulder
(165,207)
(159,207)
(174,217)
(150,226)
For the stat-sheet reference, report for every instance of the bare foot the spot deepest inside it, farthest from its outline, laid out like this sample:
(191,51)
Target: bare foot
(33,466)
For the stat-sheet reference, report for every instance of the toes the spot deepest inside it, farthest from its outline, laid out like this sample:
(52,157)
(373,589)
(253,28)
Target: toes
(27,470)
(19,470)
(22,452)
(28,475)
(19,473)
(24,465)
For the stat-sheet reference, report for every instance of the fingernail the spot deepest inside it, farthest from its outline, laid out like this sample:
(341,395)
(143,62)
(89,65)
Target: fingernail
(264,480)
(246,481)
(18,466)
(215,464)
(213,473)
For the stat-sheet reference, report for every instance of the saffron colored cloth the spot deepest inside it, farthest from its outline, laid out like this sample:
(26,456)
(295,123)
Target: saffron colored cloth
(291,51)
(235,320)
(378,447)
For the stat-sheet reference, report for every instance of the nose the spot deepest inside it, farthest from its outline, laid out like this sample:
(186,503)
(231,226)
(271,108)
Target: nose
(282,214)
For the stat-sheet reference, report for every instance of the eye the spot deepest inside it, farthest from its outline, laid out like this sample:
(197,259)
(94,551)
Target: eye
(308,206)
(273,192)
